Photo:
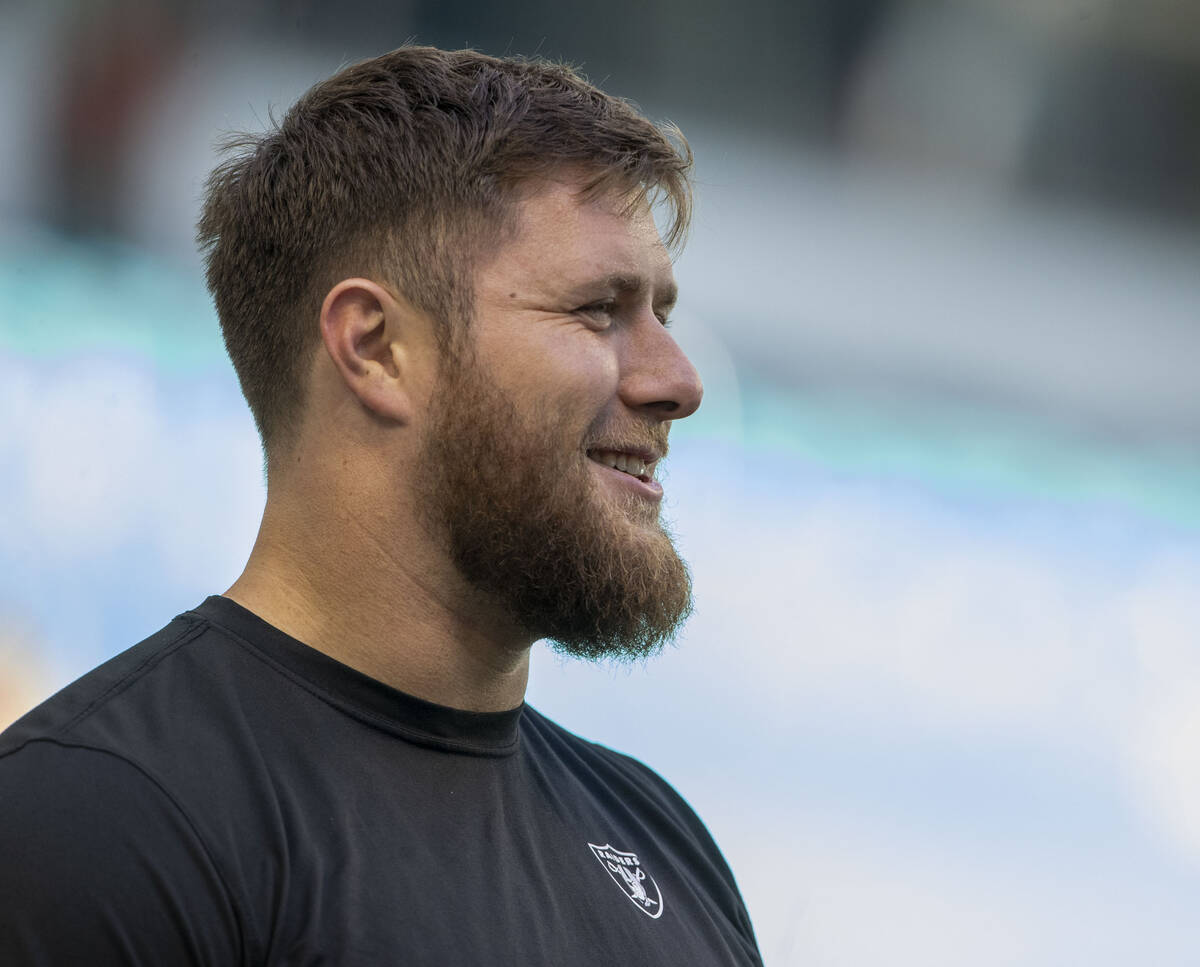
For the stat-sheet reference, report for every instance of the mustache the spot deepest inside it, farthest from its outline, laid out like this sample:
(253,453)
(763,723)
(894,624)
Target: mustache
(633,438)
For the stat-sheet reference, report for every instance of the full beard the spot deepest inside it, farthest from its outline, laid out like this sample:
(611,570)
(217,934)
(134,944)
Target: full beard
(527,525)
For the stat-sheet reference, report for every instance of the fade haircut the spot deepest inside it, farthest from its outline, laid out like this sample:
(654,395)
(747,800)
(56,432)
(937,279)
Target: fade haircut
(405,169)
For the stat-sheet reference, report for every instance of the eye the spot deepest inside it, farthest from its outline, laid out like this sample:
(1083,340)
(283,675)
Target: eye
(600,313)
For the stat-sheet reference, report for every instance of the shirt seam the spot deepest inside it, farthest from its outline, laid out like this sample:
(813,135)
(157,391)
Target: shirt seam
(185,635)
(230,894)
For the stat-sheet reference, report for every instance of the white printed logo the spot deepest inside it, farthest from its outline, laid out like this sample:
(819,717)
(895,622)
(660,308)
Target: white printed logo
(626,871)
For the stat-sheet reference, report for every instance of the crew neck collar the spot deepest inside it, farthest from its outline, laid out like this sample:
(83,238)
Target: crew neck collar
(409,717)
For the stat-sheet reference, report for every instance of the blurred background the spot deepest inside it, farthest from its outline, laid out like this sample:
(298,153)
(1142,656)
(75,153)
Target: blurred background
(940,700)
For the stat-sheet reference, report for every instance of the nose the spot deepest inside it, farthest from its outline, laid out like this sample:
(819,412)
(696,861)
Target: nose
(657,378)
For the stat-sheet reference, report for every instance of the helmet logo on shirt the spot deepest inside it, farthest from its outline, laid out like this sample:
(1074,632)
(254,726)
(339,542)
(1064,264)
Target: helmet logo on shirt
(626,871)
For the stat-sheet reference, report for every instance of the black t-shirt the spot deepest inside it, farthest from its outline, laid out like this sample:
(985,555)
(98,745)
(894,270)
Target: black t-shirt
(223,794)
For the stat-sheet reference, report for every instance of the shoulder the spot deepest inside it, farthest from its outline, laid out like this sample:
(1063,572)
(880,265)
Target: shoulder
(151,718)
(64,711)
(128,793)
(85,830)
(152,701)
(639,799)
(85,712)
(621,778)
(547,732)
(181,711)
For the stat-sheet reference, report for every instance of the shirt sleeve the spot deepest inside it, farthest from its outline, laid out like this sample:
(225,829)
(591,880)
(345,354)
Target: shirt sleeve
(99,866)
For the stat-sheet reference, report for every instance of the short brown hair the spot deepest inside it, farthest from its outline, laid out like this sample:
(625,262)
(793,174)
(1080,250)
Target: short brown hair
(403,168)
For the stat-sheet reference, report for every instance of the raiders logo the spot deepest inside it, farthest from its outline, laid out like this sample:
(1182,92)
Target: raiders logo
(626,871)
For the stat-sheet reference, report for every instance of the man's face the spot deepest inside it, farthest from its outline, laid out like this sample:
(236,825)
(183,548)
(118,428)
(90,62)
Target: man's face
(539,465)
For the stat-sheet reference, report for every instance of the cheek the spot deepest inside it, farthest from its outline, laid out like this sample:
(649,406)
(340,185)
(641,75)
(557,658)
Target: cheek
(587,391)
(569,375)
(593,373)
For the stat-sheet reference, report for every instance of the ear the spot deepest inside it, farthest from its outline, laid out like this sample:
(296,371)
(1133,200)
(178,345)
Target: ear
(369,335)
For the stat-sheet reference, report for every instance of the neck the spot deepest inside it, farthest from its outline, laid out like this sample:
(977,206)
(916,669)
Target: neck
(381,598)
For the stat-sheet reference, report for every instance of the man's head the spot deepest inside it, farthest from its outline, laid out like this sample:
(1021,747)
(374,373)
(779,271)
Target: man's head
(509,205)
(406,169)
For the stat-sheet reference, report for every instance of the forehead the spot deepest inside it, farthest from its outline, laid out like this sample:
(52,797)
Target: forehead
(562,237)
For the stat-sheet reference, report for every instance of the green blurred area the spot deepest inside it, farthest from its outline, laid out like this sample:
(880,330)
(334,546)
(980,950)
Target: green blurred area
(65,297)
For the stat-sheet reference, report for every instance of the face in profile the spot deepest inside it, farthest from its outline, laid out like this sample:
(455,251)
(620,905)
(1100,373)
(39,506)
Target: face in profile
(539,464)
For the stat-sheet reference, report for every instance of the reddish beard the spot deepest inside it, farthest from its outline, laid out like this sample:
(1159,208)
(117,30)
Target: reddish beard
(526,524)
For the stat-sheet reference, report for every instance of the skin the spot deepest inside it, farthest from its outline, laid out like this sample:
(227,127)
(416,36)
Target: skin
(568,322)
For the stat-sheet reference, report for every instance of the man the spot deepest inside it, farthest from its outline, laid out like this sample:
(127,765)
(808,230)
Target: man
(443,291)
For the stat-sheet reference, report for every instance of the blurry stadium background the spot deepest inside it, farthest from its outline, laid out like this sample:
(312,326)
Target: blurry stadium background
(940,700)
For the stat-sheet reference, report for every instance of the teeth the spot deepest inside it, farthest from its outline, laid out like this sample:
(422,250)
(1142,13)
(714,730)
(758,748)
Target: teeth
(625,462)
